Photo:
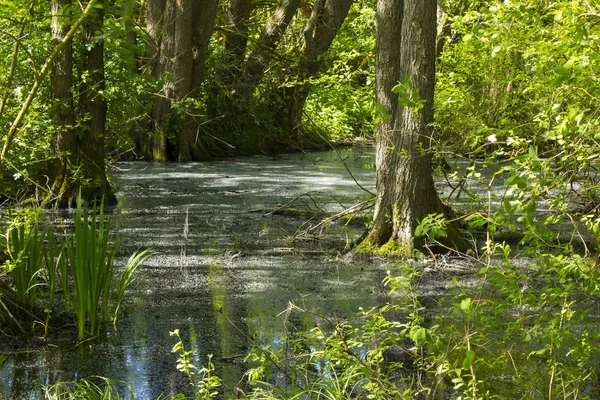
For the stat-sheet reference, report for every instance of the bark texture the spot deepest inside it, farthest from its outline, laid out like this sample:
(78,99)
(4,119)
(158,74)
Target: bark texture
(93,109)
(180,31)
(80,162)
(65,146)
(406,192)
(387,72)
(261,56)
(323,25)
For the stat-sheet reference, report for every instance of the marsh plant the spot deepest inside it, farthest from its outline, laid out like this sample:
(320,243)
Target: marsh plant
(203,380)
(78,269)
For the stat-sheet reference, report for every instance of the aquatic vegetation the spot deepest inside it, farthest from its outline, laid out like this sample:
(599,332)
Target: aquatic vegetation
(93,388)
(79,269)
(204,381)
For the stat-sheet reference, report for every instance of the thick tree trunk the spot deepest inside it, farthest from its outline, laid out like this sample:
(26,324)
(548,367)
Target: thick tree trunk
(260,57)
(161,29)
(81,156)
(182,33)
(187,147)
(406,192)
(323,25)
(93,113)
(387,71)
(65,145)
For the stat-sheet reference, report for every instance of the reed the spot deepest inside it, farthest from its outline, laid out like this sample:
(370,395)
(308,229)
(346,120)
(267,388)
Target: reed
(91,259)
(25,264)
(96,292)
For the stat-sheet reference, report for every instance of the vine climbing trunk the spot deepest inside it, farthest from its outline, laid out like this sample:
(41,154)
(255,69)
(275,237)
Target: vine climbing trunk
(39,79)
(79,137)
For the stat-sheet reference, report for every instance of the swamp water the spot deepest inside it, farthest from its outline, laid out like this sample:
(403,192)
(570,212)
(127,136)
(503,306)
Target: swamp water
(226,269)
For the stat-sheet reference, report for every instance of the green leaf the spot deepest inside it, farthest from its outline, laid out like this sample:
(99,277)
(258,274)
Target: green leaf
(468,360)
(465,304)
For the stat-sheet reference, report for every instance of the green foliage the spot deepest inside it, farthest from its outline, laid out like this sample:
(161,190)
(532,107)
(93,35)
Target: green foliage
(432,227)
(205,384)
(25,263)
(91,258)
(408,96)
(342,97)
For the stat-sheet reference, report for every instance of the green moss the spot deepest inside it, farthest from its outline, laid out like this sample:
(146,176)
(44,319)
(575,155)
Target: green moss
(391,249)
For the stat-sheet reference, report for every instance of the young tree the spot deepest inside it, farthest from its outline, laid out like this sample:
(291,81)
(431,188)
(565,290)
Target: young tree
(405,188)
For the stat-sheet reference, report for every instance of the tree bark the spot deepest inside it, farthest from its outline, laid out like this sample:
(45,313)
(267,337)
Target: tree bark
(323,25)
(406,192)
(387,71)
(181,31)
(65,144)
(93,109)
(161,29)
(261,56)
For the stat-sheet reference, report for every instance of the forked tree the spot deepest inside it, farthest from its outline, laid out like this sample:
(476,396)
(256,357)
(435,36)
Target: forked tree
(405,189)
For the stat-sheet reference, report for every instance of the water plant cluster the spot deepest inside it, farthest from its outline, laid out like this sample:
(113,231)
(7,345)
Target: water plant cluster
(70,276)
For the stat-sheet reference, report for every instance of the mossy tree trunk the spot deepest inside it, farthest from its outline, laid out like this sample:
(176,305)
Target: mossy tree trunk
(65,144)
(405,187)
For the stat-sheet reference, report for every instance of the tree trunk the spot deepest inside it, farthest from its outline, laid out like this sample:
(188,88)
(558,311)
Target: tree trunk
(323,25)
(261,56)
(80,160)
(387,71)
(93,113)
(236,38)
(182,33)
(65,145)
(205,15)
(406,192)
(161,29)
(187,148)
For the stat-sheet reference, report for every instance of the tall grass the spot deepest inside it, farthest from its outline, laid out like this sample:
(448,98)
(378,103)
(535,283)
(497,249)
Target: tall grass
(91,258)
(82,264)
(25,264)
(94,388)
(95,293)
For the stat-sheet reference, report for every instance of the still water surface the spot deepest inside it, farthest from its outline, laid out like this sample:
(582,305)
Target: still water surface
(226,270)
